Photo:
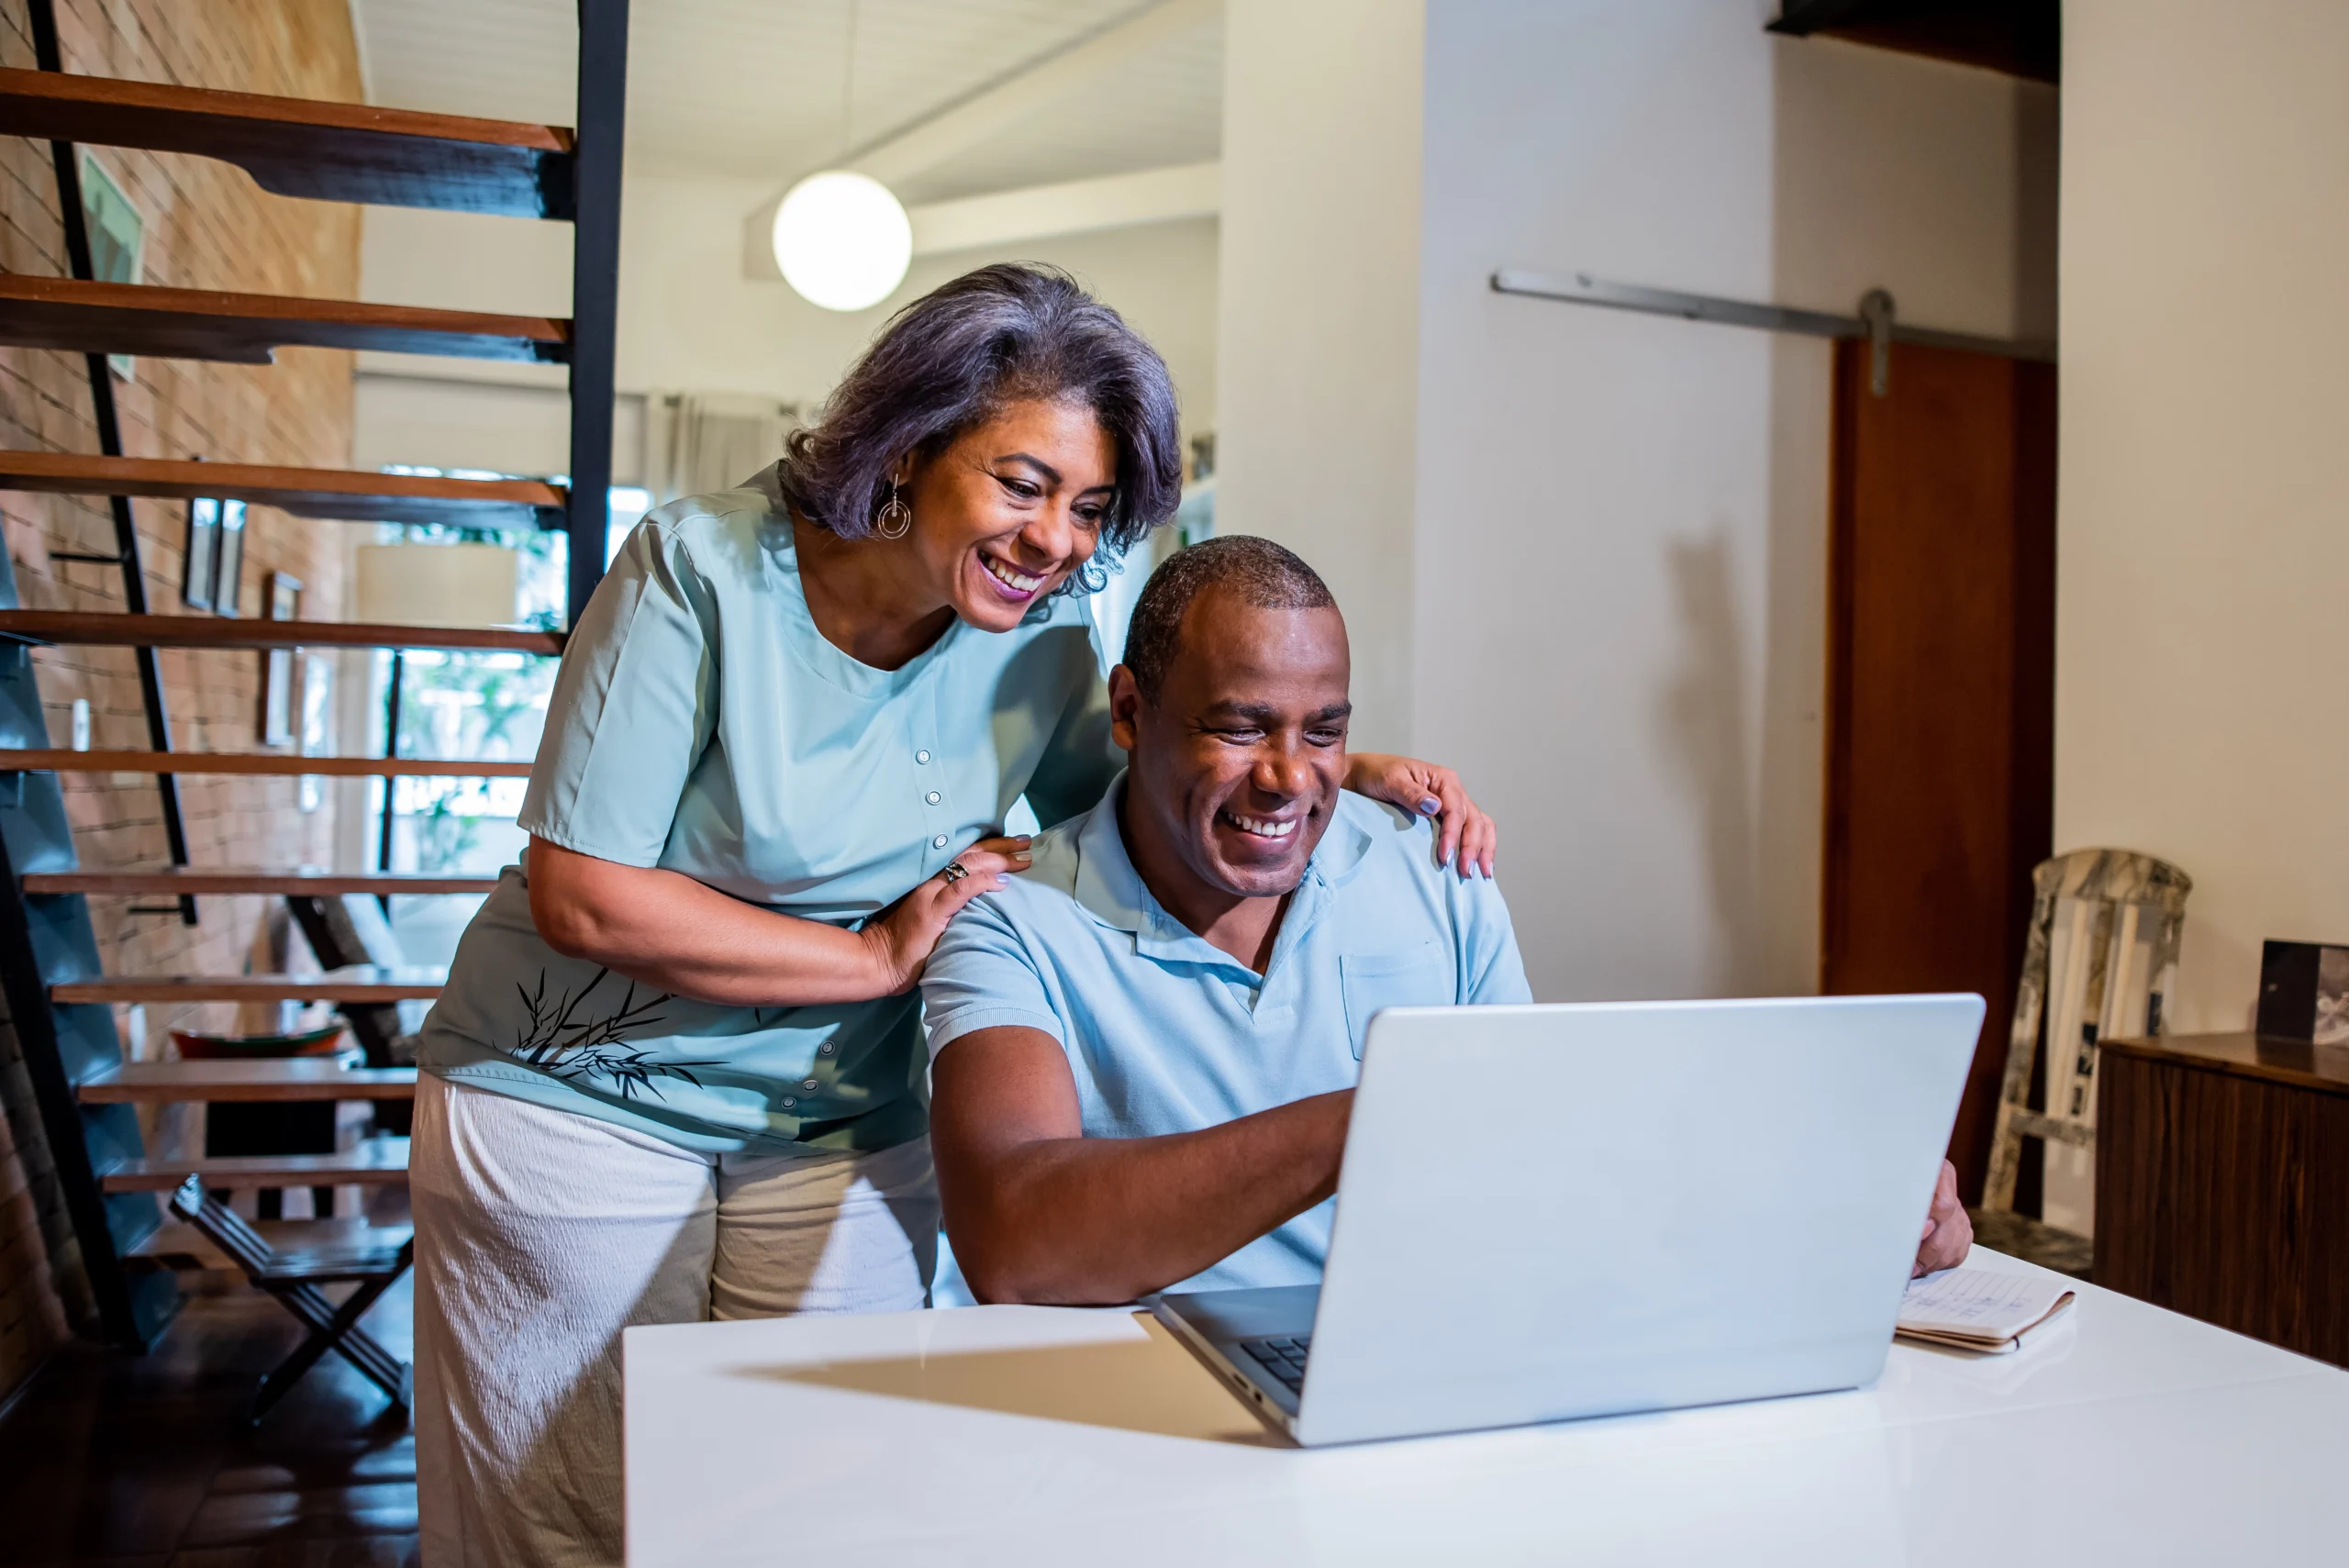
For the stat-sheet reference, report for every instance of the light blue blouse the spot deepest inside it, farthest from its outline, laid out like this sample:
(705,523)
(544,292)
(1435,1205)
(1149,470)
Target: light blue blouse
(703,725)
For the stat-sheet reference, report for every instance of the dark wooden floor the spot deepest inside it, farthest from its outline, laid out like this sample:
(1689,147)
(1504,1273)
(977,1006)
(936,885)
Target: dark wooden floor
(110,1460)
(2020,1236)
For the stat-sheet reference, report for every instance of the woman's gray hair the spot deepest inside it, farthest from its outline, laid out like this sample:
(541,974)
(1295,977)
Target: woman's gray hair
(1002,334)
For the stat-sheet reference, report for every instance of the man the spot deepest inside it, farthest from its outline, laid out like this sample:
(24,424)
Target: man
(1143,1050)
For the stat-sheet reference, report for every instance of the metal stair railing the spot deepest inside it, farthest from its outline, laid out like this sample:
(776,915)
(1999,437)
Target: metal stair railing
(86,1095)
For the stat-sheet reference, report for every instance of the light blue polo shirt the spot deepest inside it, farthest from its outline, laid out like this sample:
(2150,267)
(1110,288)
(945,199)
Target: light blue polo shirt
(1166,1033)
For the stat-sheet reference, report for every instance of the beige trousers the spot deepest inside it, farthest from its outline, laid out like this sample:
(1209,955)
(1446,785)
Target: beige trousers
(542,1234)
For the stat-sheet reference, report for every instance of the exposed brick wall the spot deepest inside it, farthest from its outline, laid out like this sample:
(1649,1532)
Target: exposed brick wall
(207,226)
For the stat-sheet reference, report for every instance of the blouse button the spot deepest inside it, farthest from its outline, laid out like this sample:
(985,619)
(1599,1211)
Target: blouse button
(939,842)
(933,797)
(808,1085)
(788,1102)
(826,1049)
(921,756)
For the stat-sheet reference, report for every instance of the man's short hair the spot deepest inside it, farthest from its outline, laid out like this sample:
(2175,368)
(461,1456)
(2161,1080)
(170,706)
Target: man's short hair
(1264,575)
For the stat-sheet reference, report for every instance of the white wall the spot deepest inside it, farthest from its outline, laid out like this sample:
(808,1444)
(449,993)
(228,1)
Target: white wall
(444,420)
(2203,542)
(1318,346)
(1616,541)
(689,320)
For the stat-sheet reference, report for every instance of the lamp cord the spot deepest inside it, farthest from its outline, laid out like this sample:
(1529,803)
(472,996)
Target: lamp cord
(848,83)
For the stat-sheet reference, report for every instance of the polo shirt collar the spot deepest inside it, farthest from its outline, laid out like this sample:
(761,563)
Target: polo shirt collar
(1113,891)
(1107,883)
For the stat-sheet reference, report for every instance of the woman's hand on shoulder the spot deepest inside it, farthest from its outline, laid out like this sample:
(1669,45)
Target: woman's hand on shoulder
(901,939)
(1465,835)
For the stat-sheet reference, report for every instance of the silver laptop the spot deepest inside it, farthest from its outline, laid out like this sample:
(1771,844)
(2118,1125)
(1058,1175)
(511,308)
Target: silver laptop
(1548,1212)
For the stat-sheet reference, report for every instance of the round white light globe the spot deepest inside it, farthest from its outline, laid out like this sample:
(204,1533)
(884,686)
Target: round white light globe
(842,241)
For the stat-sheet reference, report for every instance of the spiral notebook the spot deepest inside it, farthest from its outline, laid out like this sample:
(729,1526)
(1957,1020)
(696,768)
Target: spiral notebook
(1978,1309)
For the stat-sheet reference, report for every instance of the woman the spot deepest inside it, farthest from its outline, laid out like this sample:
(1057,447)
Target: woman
(676,1073)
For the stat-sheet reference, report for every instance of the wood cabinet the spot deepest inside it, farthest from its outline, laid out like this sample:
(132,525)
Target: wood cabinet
(2223,1183)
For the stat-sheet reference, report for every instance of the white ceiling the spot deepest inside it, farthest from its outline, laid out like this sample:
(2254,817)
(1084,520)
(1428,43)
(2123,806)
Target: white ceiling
(757,87)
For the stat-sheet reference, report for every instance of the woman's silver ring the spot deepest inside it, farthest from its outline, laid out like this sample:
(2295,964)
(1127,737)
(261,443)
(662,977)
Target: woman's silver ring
(955,873)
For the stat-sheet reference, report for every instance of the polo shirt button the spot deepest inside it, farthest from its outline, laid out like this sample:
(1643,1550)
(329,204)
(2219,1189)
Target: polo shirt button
(933,797)
(921,756)
(939,842)
(788,1102)
(809,1085)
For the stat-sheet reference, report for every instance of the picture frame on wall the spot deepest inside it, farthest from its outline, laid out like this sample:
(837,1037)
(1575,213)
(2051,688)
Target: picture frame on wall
(200,554)
(281,600)
(229,560)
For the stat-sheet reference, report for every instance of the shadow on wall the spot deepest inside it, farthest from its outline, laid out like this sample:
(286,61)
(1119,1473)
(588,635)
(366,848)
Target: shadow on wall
(1792,777)
(1706,746)
(1744,743)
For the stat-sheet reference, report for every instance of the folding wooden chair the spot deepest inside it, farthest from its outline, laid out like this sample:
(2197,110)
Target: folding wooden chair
(2105,926)
(294,1277)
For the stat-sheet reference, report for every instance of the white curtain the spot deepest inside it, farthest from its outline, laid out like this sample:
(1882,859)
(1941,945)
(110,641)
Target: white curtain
(705,441)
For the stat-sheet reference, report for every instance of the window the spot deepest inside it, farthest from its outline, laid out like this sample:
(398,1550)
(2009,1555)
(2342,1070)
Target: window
(117,238)
(628,506)
(489,707)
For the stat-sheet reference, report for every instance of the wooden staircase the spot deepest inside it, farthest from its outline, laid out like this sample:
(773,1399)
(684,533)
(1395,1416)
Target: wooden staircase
(305,492)
(59,999)
(249,328)
(379,1161)
(329,152)
(266,764)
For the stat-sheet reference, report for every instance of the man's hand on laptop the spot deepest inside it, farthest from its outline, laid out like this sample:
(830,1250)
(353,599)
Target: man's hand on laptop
(1949,1234)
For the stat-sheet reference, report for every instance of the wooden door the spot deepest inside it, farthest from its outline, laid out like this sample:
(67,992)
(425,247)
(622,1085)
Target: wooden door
(1941,687)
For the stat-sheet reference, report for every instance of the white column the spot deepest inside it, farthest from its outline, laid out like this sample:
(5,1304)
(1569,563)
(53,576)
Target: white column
(1582,552)
(1316,345)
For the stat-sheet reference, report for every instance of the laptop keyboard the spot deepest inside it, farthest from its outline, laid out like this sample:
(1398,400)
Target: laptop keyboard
(1284,1359)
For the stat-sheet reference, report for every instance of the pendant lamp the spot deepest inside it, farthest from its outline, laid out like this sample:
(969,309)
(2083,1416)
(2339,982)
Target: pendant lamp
(841,239)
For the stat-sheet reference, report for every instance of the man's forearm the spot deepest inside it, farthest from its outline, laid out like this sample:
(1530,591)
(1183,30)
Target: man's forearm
(1076,1220)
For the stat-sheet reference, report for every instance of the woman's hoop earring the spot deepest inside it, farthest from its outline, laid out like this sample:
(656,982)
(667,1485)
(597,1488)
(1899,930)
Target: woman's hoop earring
(896,517)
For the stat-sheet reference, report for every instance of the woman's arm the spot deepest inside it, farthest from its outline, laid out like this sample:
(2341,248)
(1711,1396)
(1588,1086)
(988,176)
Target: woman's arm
(664,929)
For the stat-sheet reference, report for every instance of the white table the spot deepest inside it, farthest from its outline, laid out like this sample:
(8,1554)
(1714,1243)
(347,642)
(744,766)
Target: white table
(1036,1436)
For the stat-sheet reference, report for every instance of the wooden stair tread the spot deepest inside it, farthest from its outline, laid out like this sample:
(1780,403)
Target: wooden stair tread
(307,492)
(102,628)
(376,1162)
(266,764)
(245,328)
(379,1254)
(299,147)
(180,1247)
(358,983)
(296,1078)
(170,881)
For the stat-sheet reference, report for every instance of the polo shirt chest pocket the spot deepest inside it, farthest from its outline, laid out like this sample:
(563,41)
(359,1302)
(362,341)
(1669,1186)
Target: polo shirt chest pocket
(1411,977)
